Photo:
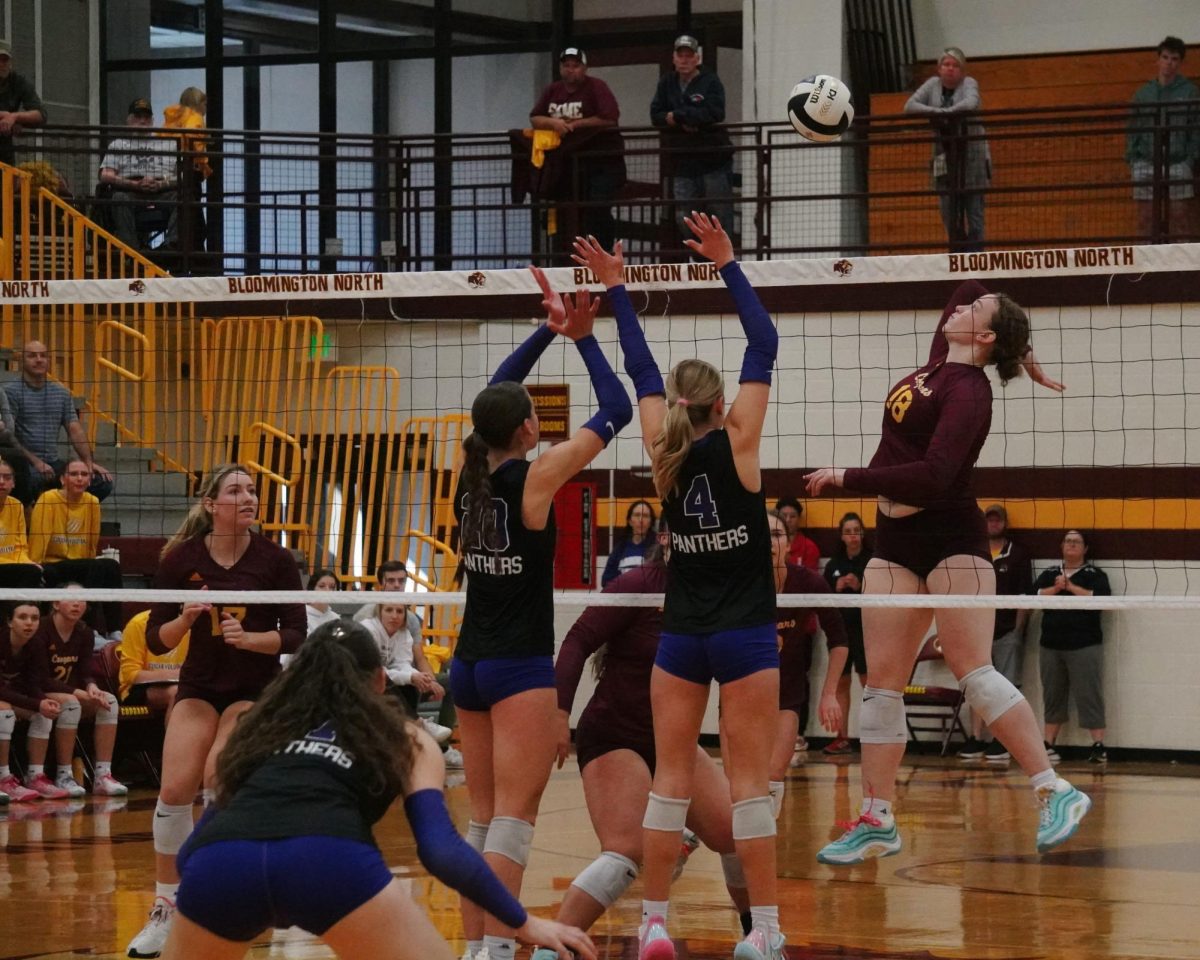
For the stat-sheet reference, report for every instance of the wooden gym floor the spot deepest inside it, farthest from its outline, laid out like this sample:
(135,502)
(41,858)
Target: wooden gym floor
(76,880)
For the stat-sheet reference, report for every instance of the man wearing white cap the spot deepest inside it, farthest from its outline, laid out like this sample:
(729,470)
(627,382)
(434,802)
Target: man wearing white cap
(689,105)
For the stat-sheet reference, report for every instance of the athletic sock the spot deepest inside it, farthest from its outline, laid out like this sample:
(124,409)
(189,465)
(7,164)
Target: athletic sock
(103,769)
(880,809)
(4,771)
(35,770)
(1044,780)
(655,908)
(65,772)
(767,917)
(166,890)
(500,948)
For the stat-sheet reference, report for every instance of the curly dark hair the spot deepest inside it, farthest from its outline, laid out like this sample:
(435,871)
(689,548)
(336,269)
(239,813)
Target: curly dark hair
(329,681)
(1011,326)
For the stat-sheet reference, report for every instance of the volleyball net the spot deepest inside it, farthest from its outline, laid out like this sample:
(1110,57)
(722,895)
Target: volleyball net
(347,396)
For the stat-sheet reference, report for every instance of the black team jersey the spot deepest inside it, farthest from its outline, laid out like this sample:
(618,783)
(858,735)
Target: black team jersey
(720,574)
(510,576)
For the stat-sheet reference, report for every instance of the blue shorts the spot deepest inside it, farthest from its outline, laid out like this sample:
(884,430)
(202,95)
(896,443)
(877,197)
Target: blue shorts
(481,684)
(724,656)
(236,889)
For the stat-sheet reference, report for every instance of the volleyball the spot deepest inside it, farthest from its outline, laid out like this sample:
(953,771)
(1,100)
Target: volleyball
(821,108)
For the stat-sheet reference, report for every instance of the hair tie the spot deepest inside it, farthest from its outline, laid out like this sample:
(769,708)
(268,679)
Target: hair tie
(682,401)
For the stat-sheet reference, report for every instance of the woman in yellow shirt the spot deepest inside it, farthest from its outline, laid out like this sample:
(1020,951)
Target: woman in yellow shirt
(147,679)
(17,568)
(64,532)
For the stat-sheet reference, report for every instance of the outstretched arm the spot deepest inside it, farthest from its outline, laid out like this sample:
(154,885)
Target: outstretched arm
(517,365)
(639,362)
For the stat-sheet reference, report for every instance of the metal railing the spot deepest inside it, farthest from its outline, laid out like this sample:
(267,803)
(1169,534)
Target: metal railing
(447,202)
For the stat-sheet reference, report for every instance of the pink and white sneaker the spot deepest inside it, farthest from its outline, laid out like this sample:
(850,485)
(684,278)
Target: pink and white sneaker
(109,786)
(653,941)
(12,788)
(43,786)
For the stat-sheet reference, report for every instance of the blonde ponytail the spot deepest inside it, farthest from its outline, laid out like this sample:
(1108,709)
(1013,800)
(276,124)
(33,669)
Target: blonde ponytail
(693,389)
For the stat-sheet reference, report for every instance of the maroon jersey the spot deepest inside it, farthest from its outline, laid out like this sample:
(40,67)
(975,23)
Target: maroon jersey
(212,665)
(23,679)
(622,695)
(593,98)
(935,422)
(68,661)
(792,622)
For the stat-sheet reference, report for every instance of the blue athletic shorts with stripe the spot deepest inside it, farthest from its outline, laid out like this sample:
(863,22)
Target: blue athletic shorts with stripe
(724,656)
(239,888)
(481,684)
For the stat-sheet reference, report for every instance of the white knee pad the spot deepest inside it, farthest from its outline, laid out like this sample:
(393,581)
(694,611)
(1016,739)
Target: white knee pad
(881,719)
(731,866)
(753,819)
(776,789)
(106,715)
(989,693)
(8,723)
(40,727)
(172,826)
(668,814)
(69,714)
(476,835)
(607,877)
(510,837)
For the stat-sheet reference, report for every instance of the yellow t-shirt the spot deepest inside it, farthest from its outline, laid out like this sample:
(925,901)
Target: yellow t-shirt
(14,547)
(136,656)
(59,530)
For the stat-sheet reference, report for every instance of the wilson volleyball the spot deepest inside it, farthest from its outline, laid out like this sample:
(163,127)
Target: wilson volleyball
(821,108)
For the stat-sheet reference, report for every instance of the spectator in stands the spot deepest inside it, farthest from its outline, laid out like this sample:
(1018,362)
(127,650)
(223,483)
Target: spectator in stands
(408,673)
(961,167)
(141,170)
(802,552)
(64,533)
(844,573)
(188,115)
(1014,577)
(20,105)
(577,102)
(390,576)
(40,408)
(1180,136)
(320,613)
(67,644)
(689,105)
(22,684)
(17,568)
(1072,646)
(148,679)
(635,542)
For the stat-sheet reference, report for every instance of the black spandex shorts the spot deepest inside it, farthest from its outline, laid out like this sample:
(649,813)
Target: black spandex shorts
(856,660)
(218,701)
(920,542)
(795,661)
(595,736)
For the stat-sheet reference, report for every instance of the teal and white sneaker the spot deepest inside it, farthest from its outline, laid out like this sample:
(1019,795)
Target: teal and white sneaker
(865,837)
(760,945)
(654,943)
(544,953)
(1062,808)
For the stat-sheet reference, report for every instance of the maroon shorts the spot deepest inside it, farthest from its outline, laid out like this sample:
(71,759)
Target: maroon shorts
(795,660)
(596,736)
(920,542)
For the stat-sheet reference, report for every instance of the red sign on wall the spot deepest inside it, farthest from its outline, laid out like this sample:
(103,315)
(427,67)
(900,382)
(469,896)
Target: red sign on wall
(575,553)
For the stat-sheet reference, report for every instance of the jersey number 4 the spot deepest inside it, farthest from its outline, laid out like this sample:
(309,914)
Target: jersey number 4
(699,503)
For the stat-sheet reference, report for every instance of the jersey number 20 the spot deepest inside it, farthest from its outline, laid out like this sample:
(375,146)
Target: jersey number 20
(699,503)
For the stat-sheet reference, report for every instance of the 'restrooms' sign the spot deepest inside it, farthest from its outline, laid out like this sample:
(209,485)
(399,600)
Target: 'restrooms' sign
(552,404)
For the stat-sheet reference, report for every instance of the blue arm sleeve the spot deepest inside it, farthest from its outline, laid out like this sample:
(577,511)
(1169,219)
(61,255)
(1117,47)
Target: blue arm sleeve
(615,409)
(448,857)
(518,364)
(639,362)
(762,339)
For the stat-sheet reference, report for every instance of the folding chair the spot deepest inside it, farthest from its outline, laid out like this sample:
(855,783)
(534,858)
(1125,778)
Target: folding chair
(942,705)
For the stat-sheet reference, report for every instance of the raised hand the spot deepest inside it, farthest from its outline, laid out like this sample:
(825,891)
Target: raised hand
(818,480)
(711,239)
(580,315)
(552,303)
(608,267)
